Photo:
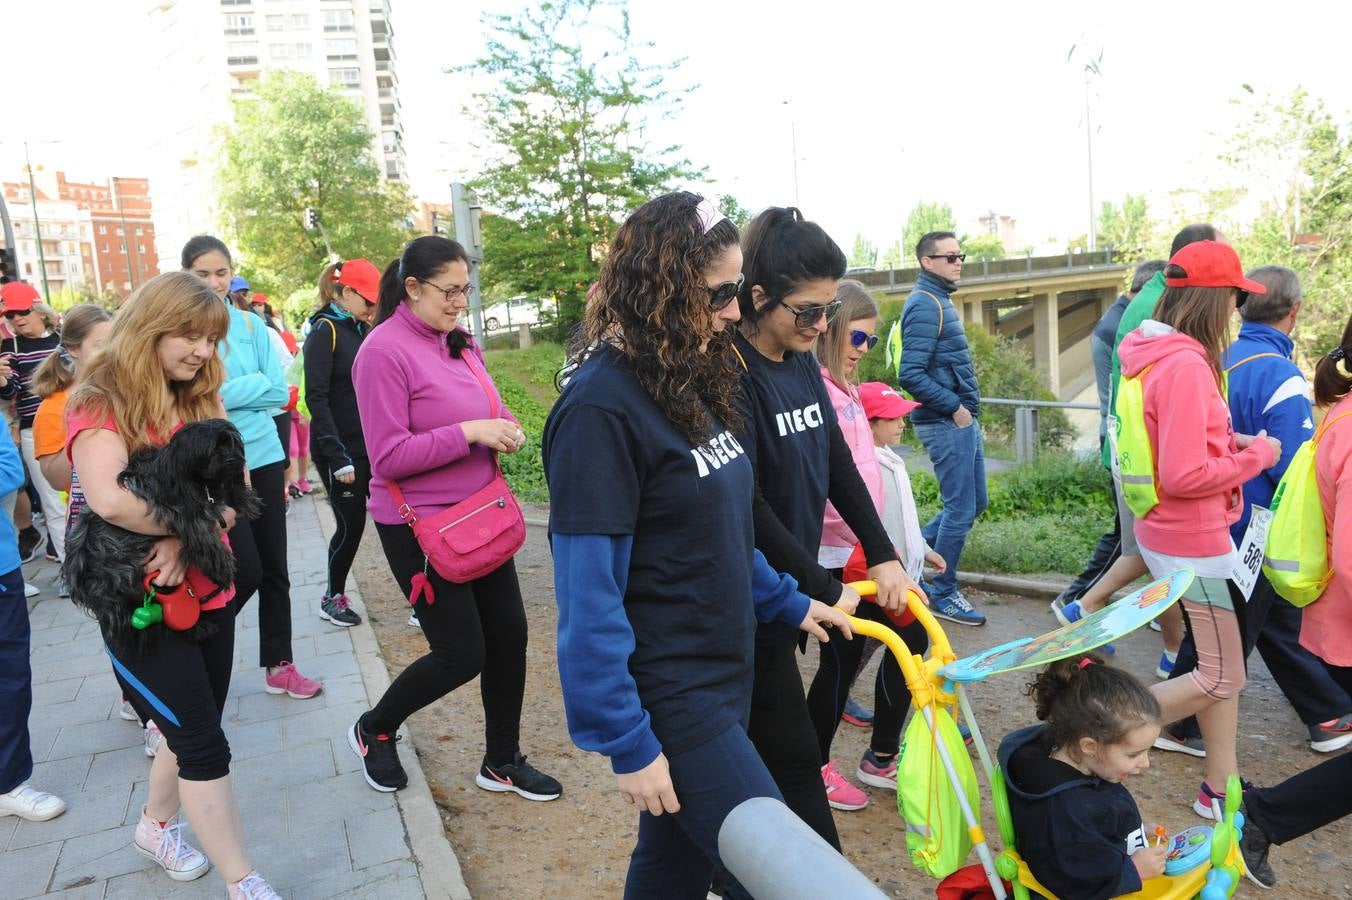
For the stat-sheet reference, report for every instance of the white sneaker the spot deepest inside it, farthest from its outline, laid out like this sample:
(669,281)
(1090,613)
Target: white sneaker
(126,713)
(154,738)
(179,859)
(252,887)
(31,590)
(413,620)
(31,804)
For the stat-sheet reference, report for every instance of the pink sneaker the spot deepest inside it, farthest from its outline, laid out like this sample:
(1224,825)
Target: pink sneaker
(163,844)
(304,485)
(288,680)
(839,792)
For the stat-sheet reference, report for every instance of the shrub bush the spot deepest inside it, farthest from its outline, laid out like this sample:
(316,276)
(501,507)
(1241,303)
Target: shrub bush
(1003,370)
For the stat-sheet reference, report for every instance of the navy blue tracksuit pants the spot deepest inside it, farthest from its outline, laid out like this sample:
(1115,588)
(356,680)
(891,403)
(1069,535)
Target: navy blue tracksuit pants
(16,683)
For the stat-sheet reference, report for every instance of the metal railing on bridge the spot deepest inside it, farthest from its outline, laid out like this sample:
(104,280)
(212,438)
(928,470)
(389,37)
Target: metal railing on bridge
(997,269)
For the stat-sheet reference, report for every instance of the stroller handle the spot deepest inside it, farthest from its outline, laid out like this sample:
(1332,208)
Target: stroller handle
(921,678)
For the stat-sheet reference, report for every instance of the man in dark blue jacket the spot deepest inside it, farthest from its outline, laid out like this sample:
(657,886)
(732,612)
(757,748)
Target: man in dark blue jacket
(936,370)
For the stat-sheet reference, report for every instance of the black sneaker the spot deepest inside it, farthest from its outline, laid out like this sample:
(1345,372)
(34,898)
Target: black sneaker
(519,777)
(1193,746)
(337,611)
(1254,847)
(379,758)
(1327,737)
(51,549)
(30,544)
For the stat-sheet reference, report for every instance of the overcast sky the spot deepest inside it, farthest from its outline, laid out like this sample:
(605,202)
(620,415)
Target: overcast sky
(971,104)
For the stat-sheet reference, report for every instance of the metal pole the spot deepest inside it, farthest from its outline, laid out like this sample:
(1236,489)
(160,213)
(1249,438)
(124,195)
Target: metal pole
(126,235)
(465,209)
(1089,147)
(793,136)
(37,227)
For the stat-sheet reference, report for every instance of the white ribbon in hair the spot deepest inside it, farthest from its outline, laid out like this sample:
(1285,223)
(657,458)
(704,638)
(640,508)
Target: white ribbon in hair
(709,216)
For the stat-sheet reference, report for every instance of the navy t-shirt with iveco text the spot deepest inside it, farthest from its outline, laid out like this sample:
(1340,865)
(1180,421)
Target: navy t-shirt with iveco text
(617,466)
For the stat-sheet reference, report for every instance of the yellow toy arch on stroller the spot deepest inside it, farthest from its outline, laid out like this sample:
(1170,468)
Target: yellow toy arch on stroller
(936,683)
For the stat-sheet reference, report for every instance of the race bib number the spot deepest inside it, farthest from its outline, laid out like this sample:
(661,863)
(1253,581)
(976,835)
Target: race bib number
(1250,560)
(1114,424)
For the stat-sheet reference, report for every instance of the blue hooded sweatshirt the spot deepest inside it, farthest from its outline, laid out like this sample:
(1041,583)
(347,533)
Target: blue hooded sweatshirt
(254,389)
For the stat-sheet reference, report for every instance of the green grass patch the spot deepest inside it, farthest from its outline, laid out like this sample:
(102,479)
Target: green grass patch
(525,379)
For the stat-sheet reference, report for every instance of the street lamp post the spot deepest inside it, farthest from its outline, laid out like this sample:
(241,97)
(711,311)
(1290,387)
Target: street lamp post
(1090,70)
(37,226)
(126,235)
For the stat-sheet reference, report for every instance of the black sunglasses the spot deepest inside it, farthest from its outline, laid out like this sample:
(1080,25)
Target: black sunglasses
(860,338)
(951,257)
(806,318)
(11,314)
(725,293)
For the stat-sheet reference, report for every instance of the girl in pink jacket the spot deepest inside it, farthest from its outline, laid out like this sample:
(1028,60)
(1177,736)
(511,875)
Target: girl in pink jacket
(851,334)
(1200,464)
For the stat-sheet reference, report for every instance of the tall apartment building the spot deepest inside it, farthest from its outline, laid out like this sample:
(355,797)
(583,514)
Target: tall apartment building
(213,50)
(66,257)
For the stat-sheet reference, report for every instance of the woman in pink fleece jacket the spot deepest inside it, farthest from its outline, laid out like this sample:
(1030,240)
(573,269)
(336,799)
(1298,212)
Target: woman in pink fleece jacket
(1200,464)
(429,426)
(851,334)
(1326,628)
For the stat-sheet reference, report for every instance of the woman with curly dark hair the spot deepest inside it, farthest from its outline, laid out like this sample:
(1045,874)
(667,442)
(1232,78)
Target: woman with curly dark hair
(658,582)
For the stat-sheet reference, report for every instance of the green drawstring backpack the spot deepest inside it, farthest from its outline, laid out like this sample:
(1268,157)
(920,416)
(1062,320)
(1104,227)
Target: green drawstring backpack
(1296,558)
(1131,444)
(936,833)
(295,374)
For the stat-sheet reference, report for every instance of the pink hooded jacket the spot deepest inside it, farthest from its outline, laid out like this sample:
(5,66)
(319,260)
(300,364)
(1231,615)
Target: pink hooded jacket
(1198,468)
(858,434)
(1326,626)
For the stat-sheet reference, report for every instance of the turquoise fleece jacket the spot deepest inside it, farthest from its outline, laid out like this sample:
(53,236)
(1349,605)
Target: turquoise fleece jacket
(254,389)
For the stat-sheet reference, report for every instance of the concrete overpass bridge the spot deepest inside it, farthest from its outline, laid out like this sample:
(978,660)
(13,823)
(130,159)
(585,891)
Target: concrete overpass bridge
(1045,304)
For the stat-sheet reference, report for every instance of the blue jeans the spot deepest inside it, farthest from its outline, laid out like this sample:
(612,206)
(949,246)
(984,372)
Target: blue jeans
(959,459)
(676,854)
(16,683)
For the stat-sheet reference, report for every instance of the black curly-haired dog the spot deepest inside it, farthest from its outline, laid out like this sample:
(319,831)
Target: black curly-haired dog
(187,483)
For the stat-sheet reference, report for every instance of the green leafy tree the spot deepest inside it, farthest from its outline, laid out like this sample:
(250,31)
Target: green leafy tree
(864,252)
(292,145)
(566,116)
(1126,228)
(736,212)
(983,246)
(923,218)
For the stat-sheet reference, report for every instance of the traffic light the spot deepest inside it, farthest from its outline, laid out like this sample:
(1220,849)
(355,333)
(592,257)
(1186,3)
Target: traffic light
(311,218)
(6,266)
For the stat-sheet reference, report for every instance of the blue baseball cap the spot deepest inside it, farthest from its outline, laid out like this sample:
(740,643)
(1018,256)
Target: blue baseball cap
(238,284)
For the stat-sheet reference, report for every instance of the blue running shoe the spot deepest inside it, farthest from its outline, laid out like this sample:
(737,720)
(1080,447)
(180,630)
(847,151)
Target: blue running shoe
(856,715)
(955,608)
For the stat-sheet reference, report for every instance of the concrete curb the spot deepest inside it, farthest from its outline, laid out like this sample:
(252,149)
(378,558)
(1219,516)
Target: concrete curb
(438,867)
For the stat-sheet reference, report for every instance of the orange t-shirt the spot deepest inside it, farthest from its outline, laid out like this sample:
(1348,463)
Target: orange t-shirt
(49,426)
(82,421)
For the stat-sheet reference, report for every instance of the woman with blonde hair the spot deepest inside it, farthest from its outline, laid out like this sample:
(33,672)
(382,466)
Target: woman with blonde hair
(160,370)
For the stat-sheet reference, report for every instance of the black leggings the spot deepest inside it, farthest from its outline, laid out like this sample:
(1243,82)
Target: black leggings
(782,731)
(182,684)
(283,423)
(472,629)
(260,554)
(349,512)
(836,671)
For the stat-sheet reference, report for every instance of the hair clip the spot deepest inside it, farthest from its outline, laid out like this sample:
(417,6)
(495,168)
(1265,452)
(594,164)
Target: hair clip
(1086,663)
(709,216)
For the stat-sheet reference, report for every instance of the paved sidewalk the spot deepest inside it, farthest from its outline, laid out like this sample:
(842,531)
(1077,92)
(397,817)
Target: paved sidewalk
(314,828)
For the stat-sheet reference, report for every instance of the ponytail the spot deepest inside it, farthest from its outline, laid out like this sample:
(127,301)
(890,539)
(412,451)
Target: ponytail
(1081,697)
(57,372)
(423,258)
(782,251)
(1333,374)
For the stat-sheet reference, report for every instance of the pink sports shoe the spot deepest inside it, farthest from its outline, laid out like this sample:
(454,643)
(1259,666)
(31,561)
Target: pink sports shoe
(288,680)
(839,792)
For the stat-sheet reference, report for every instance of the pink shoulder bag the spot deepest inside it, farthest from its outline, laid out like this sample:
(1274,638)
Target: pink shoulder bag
(475,536)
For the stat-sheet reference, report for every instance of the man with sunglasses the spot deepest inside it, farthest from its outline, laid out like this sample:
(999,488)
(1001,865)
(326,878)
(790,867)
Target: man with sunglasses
(936,370)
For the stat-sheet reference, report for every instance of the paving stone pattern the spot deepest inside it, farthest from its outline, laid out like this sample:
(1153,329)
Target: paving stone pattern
(314,828)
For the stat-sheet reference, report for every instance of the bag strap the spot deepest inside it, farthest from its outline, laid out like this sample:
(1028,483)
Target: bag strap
(1325,425)
(333,336)
(408,513)
(937,302)
(1247,359)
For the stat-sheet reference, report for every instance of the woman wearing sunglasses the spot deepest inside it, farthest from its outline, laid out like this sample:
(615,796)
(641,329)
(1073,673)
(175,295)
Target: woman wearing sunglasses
(433,424)
(658,582)
(792,269)
(336,443)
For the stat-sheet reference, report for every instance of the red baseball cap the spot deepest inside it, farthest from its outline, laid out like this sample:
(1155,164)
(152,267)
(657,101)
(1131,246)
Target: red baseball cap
(258,300)
(883,402)
(19,296)
(1211,264)
(362,277)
